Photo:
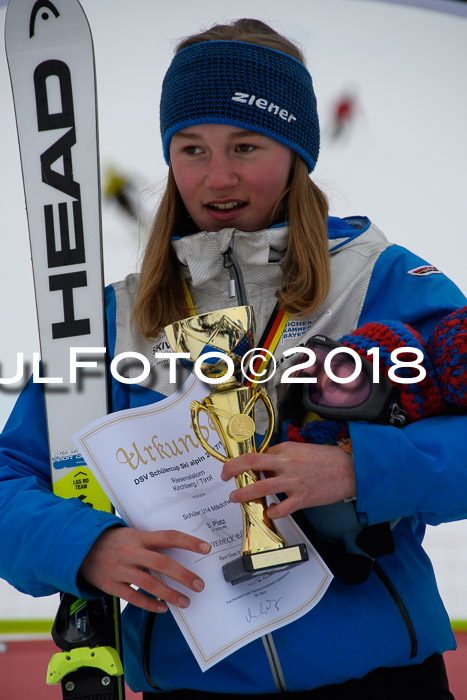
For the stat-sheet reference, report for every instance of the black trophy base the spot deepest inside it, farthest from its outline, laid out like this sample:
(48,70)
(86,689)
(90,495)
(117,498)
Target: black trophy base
(249,565)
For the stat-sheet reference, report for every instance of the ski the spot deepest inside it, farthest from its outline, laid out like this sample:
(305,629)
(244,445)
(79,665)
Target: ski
(51,62)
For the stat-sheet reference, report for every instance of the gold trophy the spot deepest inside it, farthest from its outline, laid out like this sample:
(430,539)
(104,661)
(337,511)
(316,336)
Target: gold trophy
(229,333)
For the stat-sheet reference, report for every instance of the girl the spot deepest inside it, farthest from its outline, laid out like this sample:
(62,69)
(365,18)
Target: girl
(240,135)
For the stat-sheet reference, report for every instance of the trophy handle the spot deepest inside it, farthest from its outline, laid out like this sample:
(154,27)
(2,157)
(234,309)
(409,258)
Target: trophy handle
(262,394)
(196,407)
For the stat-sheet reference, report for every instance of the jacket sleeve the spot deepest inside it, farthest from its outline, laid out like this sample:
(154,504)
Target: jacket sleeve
(43,538)
(419,470)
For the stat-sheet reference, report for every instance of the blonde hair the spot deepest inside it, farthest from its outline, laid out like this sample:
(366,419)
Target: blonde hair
(306,270)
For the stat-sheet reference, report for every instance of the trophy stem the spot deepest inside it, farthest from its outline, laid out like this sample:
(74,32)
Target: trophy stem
(260,533)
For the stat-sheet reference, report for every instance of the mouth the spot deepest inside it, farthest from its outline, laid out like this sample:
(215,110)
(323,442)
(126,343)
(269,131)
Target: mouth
(226,207)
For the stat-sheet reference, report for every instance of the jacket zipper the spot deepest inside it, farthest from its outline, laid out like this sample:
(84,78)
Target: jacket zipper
(237,288)
(236,285)
(274,663)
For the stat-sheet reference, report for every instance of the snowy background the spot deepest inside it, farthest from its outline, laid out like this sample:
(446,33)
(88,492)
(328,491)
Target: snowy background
(401,159)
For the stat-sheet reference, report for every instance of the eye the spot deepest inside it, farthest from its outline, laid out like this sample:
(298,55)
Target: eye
(192,150)
(245,148)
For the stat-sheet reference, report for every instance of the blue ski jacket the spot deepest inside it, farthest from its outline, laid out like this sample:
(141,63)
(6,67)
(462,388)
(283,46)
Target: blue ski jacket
(415,475)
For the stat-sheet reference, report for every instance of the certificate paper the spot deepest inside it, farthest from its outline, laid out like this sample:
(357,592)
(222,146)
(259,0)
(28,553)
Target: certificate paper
(151,466)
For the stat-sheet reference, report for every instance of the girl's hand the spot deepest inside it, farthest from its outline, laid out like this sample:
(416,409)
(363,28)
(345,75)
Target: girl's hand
(309,475)
(123,556)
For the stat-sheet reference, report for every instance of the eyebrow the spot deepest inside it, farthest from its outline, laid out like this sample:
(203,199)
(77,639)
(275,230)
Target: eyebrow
(186,135)
(236,134)
(248,132)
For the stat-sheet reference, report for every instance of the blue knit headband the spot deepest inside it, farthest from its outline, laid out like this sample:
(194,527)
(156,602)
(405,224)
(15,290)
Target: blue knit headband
(244,85)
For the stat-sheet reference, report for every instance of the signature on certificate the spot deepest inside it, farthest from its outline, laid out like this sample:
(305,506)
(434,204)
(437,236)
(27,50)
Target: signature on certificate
(265,607)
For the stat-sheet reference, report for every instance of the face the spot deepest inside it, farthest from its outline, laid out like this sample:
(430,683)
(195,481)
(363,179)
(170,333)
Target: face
(229,177)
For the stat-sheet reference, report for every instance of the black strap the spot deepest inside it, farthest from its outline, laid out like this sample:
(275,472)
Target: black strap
(147,650)
(401,606)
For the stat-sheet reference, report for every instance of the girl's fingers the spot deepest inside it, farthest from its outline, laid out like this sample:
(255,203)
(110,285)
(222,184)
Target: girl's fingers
(140,599)
(154,586)
(254,461)
(260,489)
(165,565)
(165,539)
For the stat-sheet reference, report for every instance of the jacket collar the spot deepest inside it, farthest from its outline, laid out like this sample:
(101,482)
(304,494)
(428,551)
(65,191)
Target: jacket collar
(203,253)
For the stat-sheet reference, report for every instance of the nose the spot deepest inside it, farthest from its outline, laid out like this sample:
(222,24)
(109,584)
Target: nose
(221,173)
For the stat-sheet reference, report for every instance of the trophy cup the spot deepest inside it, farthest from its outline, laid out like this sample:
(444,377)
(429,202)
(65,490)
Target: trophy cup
(230,333)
